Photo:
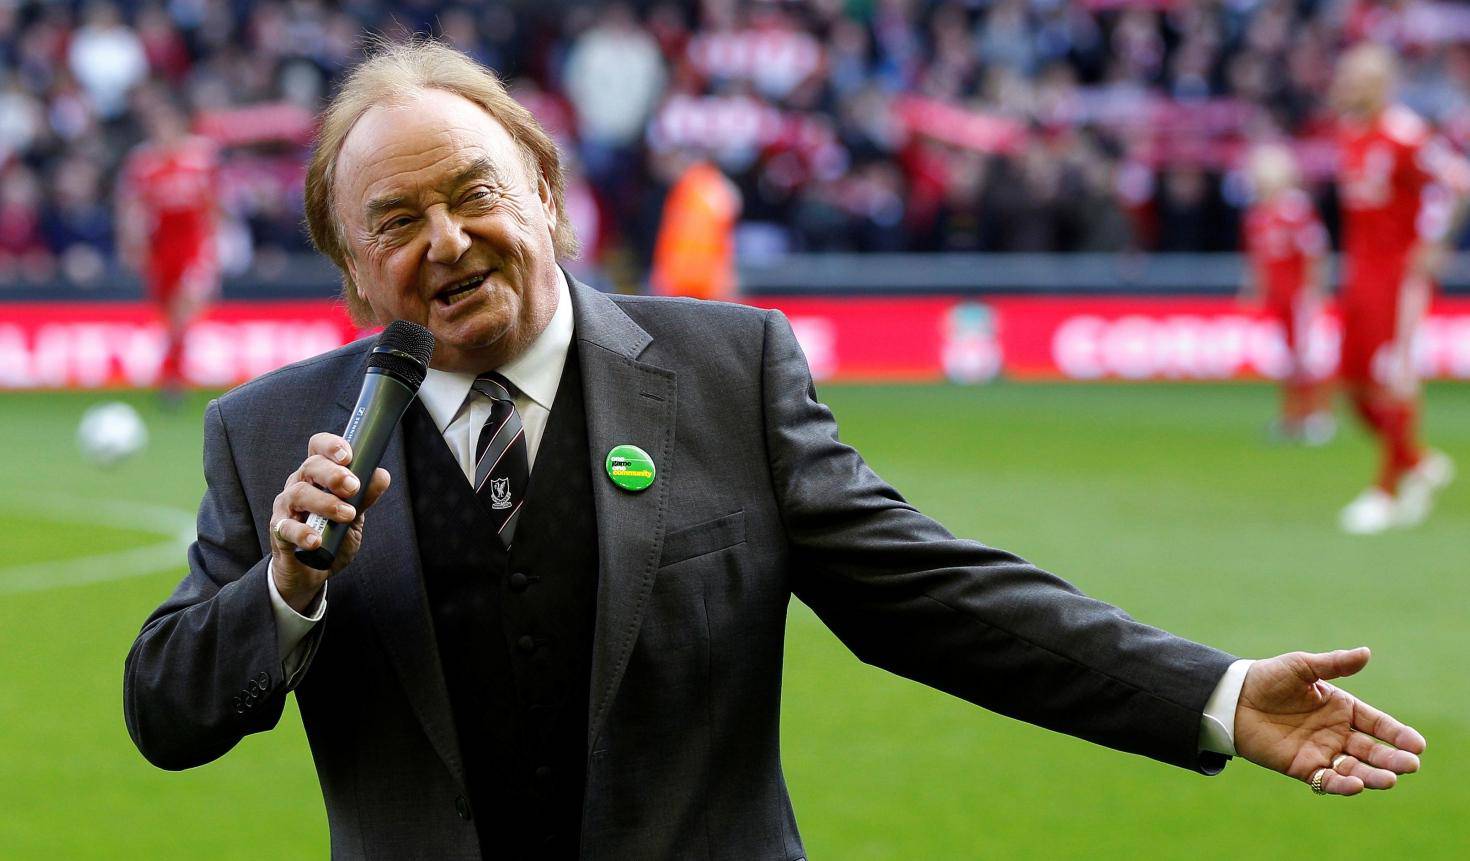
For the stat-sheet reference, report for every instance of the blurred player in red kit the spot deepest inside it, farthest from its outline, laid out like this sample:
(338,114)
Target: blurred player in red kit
(1401,191)
(167,203)
(1286,242)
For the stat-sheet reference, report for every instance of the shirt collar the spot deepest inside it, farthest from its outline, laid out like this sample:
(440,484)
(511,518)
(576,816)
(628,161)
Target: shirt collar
(536,373)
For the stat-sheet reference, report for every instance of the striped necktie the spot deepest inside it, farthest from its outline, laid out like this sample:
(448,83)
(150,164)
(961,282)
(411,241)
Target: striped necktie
(501,467)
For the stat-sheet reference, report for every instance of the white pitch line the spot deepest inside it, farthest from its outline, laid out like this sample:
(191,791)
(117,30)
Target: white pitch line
(105,567)
(116,513)
(176,525)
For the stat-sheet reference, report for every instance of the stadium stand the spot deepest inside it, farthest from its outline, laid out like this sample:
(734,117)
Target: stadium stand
(864,126)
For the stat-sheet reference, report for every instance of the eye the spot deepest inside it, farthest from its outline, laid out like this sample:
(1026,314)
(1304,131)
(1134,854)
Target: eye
(396,223)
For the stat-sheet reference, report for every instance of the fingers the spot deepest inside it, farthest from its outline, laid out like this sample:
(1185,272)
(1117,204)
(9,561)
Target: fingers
(321,486)
(1340,784)
(377,487)
(1383,726)
(1366,718)
(295,533)
(306,498)
(330,446)
(327,472)
(1364,749)
(1343,662)
(329,475)
(1366,764)
(1372,778)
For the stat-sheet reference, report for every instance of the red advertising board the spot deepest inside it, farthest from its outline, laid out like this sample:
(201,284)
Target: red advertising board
(72,345)
(1079,338)
(111,345)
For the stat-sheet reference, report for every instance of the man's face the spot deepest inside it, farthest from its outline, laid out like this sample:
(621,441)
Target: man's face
(446,226)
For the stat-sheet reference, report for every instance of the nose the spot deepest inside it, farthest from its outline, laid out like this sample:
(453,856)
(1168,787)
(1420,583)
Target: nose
(448,240)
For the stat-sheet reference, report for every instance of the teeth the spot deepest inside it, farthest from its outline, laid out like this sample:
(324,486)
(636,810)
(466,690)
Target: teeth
(461,290)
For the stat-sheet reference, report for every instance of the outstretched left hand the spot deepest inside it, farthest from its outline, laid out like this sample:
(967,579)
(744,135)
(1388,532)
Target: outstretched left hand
(1289,719)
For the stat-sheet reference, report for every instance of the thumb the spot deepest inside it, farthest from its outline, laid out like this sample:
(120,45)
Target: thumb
(350,543)
(1339,663)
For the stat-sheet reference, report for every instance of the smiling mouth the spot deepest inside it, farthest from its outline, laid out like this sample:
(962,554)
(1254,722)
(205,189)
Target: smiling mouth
(458,291)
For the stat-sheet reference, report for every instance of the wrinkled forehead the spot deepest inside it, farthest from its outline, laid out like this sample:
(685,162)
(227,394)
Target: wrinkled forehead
(417,144)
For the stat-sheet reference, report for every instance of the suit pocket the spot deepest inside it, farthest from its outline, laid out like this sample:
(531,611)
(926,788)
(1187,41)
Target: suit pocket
(703,538)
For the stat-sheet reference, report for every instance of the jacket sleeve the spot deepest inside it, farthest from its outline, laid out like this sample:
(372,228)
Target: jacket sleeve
(979,623)
(205,671)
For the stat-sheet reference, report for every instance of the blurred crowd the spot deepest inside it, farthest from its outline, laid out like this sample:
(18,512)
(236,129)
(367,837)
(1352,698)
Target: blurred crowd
(846,125)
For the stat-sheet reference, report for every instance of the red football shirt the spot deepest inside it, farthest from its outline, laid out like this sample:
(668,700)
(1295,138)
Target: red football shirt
(176,189)
(1282,235)
(1382,186)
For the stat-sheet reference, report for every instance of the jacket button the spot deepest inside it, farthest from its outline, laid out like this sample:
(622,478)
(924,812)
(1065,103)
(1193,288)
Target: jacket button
(519,582)
(462,807)
(239,705)
(543,773)
(526,644)
(264,680)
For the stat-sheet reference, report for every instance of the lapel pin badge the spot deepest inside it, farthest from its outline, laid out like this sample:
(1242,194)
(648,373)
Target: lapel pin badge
(630,468)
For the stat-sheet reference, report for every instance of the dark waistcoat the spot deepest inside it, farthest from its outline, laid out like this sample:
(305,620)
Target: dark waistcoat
(514,629)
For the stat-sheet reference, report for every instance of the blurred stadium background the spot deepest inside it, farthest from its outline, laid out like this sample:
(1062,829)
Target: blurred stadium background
(1007,233)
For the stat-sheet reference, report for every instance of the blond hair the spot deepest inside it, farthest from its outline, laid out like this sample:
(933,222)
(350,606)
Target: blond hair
(1373,59)
(392,73)
(1366,77)
(1273,169)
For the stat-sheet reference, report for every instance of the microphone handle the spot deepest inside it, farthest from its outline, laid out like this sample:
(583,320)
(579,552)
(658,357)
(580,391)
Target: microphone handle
(380,405)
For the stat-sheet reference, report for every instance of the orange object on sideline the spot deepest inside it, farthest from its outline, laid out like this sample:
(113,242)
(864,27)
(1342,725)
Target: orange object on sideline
(695,251)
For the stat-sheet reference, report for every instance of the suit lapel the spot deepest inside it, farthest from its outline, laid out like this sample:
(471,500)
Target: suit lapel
(388,572)
(628,402)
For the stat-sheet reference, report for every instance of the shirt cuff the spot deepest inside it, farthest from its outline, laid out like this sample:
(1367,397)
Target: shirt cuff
(1217,724)
(291,626)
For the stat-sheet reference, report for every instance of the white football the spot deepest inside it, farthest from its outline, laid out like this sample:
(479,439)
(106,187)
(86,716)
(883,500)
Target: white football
(110,433)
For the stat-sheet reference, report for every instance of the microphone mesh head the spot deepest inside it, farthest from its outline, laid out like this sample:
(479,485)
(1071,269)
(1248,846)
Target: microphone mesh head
(403,350)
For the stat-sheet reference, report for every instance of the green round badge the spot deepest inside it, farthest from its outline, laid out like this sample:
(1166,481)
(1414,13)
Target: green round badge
(630,467)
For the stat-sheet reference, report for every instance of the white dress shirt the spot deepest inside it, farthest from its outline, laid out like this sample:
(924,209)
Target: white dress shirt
(536,374)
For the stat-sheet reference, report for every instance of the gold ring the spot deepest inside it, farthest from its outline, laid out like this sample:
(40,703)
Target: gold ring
(276,531)
(1337,760)
(1316,781)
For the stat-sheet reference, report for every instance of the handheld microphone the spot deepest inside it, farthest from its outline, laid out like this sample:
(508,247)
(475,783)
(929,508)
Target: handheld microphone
(396,368)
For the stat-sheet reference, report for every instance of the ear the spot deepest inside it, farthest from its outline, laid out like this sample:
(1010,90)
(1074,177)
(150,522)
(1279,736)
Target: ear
(354,285)
(548,204)
(350,266)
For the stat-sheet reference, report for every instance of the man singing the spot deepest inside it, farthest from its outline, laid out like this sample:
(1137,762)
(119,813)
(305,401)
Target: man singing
(594,670)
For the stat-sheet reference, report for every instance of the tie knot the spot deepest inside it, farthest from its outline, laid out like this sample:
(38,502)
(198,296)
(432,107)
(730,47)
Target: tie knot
(493,386)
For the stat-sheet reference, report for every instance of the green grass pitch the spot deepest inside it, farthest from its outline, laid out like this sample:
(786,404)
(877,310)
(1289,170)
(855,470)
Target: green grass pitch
(1159,498)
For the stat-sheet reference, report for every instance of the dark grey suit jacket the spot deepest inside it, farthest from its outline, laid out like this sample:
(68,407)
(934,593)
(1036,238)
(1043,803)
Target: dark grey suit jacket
(755,500)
